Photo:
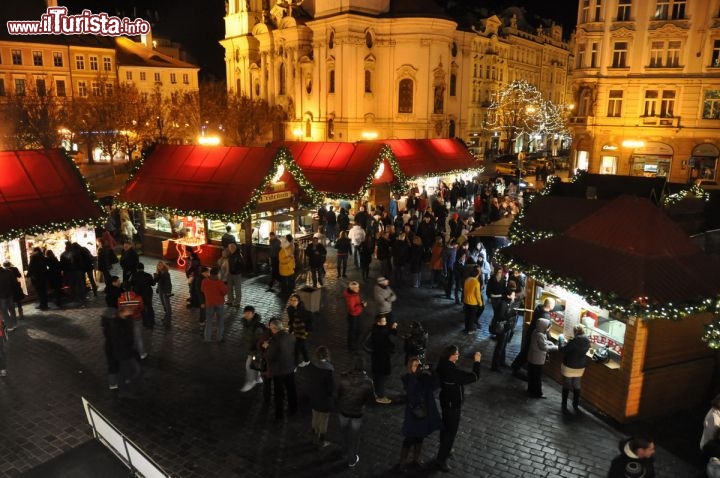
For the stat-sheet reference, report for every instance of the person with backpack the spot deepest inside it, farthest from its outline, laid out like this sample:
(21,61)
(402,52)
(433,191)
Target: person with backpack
(131,306)
(504,317)
(253,332)
(105,259)
(321,379)
(299,326)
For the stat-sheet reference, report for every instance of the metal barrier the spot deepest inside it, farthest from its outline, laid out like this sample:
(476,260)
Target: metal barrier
(139,463)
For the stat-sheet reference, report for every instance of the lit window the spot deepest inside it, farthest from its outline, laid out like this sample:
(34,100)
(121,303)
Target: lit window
(615,103)
(711,105)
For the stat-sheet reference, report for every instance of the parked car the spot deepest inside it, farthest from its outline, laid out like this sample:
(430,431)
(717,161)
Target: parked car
(508,168)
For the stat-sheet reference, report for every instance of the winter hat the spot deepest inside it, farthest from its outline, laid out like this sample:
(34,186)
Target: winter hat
(380,280)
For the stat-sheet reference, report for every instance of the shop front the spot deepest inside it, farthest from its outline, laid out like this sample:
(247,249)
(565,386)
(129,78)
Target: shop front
(651,160)
(609,155)
(190,195)
(45,202)
(641,289)
(703,162)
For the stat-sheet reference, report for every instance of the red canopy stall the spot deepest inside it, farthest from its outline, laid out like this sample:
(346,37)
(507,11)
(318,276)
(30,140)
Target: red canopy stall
(44,200)
(190,194)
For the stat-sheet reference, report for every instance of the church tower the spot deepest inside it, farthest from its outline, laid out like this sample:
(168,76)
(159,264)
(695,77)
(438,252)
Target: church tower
(242,15)
(321,8)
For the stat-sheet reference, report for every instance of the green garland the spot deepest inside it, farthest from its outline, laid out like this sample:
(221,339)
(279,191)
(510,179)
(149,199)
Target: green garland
(711,336)
(611,300)
(517,232)
(696,191)
(15,233)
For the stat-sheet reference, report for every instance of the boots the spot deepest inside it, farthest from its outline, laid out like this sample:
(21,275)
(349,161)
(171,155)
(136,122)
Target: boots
(417,455)
(576,401)
(565,394)
(403,466)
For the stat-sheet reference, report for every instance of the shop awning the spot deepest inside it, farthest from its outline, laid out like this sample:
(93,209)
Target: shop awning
(213,181)
(628,250)
(337,168)
(431,157)
(42,191)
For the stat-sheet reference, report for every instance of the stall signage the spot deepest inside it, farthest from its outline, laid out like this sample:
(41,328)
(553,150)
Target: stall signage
(652,148)
(272,197)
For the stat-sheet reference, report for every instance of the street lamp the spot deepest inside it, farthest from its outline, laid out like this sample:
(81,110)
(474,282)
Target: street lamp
(369,135)
(298,132)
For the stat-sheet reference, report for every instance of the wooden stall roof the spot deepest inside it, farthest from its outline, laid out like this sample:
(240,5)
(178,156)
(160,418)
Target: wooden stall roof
(610,186)
(210,179)
(336,167)
(631,248)
(42,190)
(431,157)
(557,213)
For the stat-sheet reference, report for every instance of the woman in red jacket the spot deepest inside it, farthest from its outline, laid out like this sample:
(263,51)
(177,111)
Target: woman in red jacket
(355,307)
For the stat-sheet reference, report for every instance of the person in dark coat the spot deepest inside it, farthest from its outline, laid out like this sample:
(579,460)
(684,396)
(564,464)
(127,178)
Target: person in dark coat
(106,318)
(421,414)
(113,289)
(416,342)
(164,290)
(354,391)
(38,274)
(54,277)
(316,254)
(636,459)
(400,250)
(87,260)
(573,365)
(299,324)
(452,394)
(366,251)
(343,220)
(252,336)
(106,258)
(18,292)
(503,321)
(382,349)
(142,284)
(280,353)
(321,385)
(118,331)
(129,260)
(542,311)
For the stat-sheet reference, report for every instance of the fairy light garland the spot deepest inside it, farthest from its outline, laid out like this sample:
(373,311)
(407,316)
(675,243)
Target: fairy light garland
(36,229)
(695,191)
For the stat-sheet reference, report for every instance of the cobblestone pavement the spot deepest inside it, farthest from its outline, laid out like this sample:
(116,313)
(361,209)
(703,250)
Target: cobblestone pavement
(193,420)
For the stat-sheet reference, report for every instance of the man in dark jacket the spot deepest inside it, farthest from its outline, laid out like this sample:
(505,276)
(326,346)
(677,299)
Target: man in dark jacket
(382,349)
(635,460)
(321,381)
(355,390)
(343,220)
(129,261)
(88,265)
(400,250)
(452,383)
(362,218)
(227,238)
(331,225)
(38,273)
(280,353)
(142,285)
(316,254)
(235,267)
(7,289)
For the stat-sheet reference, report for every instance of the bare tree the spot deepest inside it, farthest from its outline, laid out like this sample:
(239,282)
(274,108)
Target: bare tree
(516,110)
(35,118)
(248,121)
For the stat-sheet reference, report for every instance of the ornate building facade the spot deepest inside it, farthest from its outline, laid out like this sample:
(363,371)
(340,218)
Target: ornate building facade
(360,69)
(647,88)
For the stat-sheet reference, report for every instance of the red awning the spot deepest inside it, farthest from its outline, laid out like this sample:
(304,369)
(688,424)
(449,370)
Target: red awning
(336,167)
(42,191)
(209,179)
(431,157)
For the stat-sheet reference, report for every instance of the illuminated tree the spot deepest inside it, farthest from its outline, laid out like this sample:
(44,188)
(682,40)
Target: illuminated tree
(35,119)
(248,121)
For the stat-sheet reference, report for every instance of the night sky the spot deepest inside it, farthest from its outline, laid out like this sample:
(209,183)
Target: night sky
(198,24)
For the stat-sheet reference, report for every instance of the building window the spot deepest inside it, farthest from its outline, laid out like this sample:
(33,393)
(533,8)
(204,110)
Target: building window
(672,59)
(57,59)
(585,13)
(585,103)
(40,87)
(142,76)
(173,78)
(308,128)
(651,101)
(711,105)
(128,75)
(281,79)
(79,62)
(20,87)
(598,10)
(331,128)
(656,53)
(60,88)
(620,54)
(94,63)
(667,105)
(95,88)
(331,81)
(581,55)
(107,64)
(623,12)
(157,77)
(405,96)
(670,9)
(453,83)
(186,79)
(82,88)
(16,57)
(369,41)
(2,87)
(615,104)
(368,81)
(331,41)
(37,58)
(593,55)
(109,89)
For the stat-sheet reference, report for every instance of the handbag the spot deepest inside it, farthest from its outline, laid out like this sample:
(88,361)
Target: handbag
(258,363)
(498,327)
(419,410)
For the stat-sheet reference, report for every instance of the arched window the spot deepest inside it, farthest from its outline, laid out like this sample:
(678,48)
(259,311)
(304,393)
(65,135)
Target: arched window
(368,81)
(308,128)
(331,81)
(281,79)
(451,129)
(405,96)
(453,84)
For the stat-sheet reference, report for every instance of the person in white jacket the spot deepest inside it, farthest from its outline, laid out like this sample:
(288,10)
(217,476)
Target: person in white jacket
(357,237)
(710,440)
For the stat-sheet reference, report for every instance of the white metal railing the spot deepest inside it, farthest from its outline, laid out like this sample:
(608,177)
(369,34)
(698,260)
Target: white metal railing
(139,463)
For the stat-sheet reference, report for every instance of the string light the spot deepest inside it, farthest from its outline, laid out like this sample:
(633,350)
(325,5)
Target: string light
(695,191)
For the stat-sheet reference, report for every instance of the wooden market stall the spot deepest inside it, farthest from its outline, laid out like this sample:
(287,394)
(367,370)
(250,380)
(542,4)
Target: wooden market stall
(643,290)
(44,202)
(190,194)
